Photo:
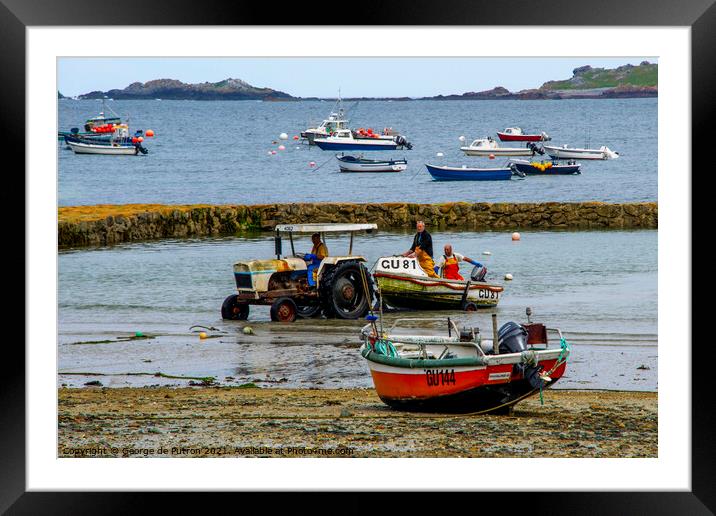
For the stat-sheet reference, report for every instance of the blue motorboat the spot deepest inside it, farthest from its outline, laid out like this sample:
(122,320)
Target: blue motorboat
(469,174)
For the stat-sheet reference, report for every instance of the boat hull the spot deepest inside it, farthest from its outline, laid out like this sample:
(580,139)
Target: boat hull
(417,292)
(519,137)
(342,146)
(527,168)
(350,164)
(469,174)
(563,153)
(122,150)
(502,151)
(459,388)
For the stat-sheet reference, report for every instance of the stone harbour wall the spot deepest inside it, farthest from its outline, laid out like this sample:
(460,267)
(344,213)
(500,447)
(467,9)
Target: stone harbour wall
(114,224)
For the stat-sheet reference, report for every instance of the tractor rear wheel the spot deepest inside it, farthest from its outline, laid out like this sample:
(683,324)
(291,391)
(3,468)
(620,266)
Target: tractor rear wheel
(284,309)
(234,310)
(343,294)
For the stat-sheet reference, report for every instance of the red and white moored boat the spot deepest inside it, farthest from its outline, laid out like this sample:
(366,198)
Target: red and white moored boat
(461,371)
(515,134)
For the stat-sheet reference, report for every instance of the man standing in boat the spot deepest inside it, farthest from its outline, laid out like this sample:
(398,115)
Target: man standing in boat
(421,239)
(450,265)
(422,249)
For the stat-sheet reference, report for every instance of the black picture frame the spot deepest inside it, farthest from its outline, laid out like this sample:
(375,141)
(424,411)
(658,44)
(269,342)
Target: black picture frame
(16,15)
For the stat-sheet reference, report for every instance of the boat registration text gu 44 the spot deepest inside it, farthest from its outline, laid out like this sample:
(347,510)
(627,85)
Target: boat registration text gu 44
(456,370)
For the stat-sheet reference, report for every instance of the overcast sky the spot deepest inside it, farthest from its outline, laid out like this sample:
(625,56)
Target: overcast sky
(322,77)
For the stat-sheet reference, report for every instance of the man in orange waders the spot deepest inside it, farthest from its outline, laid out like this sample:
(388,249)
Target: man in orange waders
(450,264)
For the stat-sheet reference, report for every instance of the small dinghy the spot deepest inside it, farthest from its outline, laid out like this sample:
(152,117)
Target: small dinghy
(489,147)
(544,168)
(361,164)
(458,370)
(565,152)
(441,173)
(115,149)
(515,134)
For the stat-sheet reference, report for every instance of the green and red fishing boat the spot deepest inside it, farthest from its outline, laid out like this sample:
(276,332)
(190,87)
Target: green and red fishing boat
(462,372)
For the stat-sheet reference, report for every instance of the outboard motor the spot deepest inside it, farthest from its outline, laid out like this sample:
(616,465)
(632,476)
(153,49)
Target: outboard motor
(516,171)
(402,142)
(478,273)
(141,148)
(535,149)
(512,338)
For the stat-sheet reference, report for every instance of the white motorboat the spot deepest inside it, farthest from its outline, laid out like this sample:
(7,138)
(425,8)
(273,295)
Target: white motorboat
(565,152)
(335,122)
(113,148)
(361,164)
(488,146)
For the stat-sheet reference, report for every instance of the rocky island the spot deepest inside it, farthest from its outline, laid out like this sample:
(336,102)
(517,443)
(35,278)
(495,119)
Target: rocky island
(627,81)
(171,89)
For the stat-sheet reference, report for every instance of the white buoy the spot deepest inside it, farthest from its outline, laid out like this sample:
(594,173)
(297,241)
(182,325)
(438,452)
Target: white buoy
(508,276)
(283,136)
(269,153)
(516,236)
(486,253)
(281,147)
(440,154)
(462,138)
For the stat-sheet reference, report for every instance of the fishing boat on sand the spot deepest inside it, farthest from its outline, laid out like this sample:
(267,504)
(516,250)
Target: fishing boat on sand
(404,284)
(458,370)
(345,139)
(361,164)
(515,134)
(565,152)
(544,168)
(464,173)
(489,147)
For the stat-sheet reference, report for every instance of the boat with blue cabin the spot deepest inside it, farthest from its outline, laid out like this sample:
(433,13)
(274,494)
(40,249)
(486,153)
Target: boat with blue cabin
(345,139)
(464,173)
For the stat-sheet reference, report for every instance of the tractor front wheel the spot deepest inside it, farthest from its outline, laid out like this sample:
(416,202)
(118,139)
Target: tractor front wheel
(284,309)
(234,310)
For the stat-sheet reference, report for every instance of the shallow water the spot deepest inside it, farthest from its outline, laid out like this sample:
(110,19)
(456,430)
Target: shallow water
(216,152)
(598,287)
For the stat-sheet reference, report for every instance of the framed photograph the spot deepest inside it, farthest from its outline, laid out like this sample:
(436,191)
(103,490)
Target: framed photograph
(220,266)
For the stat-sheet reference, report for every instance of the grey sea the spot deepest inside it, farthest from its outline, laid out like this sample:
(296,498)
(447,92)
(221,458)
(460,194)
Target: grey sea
(599,287)
(218,152)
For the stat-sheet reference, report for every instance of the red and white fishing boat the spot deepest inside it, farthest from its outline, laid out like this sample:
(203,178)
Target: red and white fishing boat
(461,371)
(515,134)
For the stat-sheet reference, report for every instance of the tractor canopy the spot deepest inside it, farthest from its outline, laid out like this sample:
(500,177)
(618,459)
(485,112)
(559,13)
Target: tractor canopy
(321,229)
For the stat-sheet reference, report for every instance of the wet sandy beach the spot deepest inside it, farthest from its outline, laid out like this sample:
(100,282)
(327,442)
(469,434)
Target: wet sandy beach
(257,422)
